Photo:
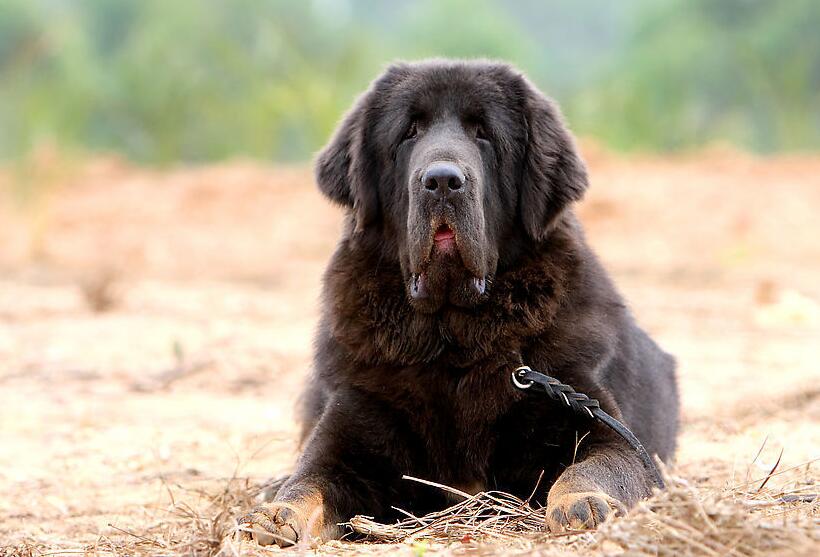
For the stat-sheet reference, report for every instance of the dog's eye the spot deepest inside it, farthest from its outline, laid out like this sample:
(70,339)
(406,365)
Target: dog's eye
(412,131)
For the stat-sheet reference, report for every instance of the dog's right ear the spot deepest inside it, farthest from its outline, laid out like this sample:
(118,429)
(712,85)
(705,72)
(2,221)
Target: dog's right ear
(342,169)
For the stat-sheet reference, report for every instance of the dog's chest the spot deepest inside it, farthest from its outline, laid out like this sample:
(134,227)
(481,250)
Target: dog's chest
(455,415)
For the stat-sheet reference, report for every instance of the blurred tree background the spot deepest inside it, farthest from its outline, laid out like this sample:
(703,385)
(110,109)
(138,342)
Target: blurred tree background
(197,80)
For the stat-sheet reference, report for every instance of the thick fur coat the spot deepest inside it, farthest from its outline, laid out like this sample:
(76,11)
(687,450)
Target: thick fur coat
(460,260)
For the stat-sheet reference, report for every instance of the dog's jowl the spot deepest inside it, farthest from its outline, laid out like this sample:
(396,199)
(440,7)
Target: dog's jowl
(461,258)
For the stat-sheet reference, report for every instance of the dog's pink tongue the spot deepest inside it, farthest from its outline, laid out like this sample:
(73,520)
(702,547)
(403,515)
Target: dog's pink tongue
(444,234)
(445,239)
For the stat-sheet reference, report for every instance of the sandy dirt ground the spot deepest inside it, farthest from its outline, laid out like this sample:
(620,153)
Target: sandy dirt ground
(155,329)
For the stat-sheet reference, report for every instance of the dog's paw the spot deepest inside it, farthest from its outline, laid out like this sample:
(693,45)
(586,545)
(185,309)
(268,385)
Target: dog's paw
(286,523)
(581,511)
(268,524)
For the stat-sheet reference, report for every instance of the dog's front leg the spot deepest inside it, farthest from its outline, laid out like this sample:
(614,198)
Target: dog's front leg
(347,468)
(609,478)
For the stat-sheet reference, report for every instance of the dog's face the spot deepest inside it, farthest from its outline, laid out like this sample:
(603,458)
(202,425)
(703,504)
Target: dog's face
(454,169)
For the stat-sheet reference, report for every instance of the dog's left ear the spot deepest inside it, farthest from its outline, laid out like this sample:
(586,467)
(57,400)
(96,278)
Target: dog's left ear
(554,176)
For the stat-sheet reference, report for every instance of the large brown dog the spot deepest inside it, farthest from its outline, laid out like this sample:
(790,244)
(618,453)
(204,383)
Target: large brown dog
(460,260)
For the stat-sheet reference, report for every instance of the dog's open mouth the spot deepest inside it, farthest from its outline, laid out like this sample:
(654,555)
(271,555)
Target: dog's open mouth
(444,238)
(442,275)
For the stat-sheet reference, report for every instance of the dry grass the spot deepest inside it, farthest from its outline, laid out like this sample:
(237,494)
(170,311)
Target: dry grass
(683,520)
(491,516)
(181,528)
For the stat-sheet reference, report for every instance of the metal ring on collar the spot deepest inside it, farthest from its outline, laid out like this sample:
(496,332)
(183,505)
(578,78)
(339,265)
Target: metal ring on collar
(518,374)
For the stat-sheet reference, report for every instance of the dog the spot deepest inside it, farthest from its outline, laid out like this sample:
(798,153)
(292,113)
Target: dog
(461,259)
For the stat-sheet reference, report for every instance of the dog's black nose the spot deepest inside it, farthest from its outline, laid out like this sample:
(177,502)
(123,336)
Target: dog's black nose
(443,177)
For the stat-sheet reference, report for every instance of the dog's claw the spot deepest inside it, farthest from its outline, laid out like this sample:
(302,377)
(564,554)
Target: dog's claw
(480,284)
(418,287)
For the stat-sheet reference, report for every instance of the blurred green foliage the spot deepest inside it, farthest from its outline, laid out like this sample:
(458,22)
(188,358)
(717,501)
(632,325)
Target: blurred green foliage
(194,80)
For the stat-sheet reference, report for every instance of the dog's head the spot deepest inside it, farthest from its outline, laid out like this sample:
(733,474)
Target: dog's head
(454,169)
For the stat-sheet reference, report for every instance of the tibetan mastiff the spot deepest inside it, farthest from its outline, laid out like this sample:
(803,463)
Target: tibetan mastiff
(461,259)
